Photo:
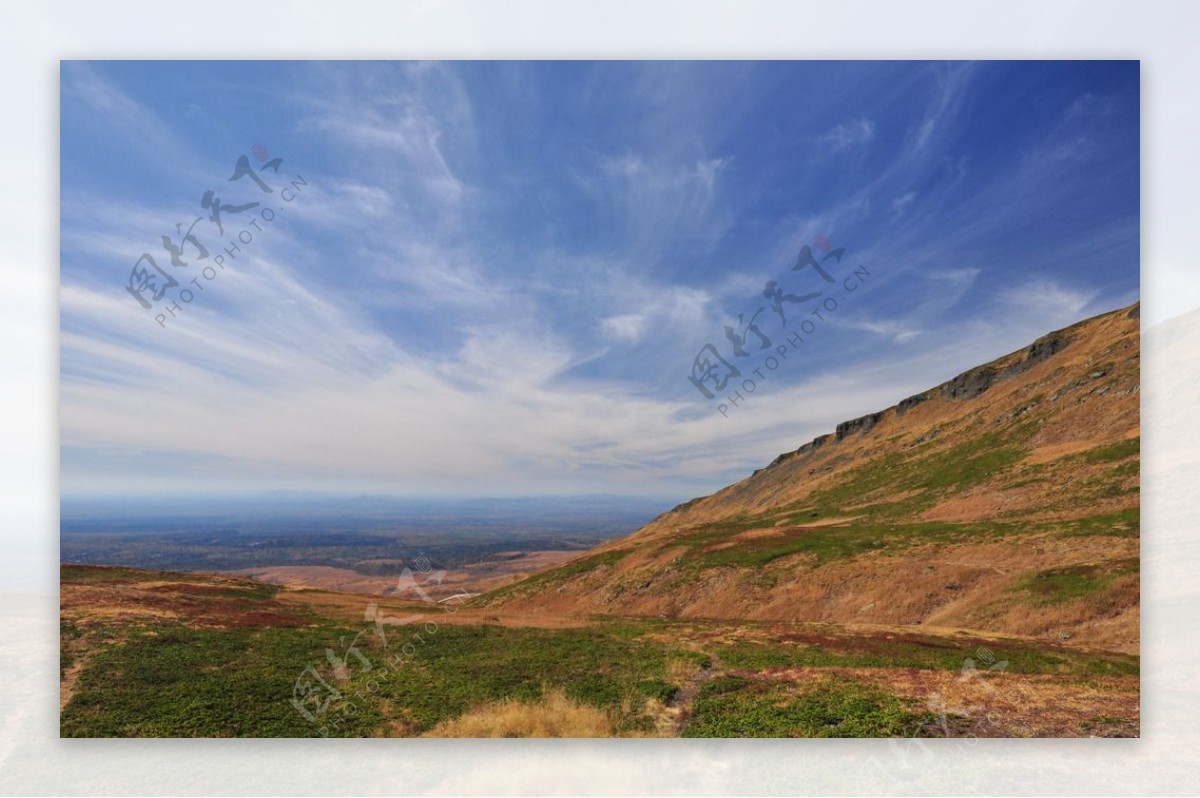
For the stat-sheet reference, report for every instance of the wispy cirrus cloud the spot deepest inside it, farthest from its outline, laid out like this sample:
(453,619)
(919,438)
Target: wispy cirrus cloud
(849,134)
(655,205)
(497,278)
(901,203)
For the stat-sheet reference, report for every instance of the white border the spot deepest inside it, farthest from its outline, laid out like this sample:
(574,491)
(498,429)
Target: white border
(34,36)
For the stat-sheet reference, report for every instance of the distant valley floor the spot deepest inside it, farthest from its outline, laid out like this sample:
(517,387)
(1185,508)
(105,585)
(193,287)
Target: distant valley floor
(502,569)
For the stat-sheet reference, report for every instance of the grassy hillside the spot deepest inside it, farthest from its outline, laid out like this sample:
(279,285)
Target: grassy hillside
(1006,500)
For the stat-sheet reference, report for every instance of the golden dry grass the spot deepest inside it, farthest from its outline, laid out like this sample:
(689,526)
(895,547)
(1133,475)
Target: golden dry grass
(681,671)
(554,715)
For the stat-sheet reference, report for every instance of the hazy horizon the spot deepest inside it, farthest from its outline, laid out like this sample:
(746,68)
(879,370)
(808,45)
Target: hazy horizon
(285,501)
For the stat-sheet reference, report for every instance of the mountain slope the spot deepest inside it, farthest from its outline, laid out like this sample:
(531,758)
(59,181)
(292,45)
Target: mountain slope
(1004,500)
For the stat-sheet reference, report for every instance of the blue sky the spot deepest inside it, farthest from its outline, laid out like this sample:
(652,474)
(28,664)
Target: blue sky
(493,278)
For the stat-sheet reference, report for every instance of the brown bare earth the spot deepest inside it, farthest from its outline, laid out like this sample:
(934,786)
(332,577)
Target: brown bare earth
(353,608)
(503,569)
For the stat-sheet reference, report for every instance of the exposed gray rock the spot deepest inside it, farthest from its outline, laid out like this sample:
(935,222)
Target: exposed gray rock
(969,384)
(860,424)
(911,402)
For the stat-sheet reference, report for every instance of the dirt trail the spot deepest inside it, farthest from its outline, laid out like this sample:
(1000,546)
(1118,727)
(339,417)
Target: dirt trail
(680,705)
(66,687)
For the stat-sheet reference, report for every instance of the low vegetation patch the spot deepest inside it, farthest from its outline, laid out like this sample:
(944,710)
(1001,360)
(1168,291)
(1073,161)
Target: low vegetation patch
(827,543)
(829,707)
(1068,583)
(1120,450)
(182,682)
(1123,524)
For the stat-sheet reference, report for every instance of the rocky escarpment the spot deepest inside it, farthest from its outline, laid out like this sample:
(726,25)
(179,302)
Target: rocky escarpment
(968,385)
